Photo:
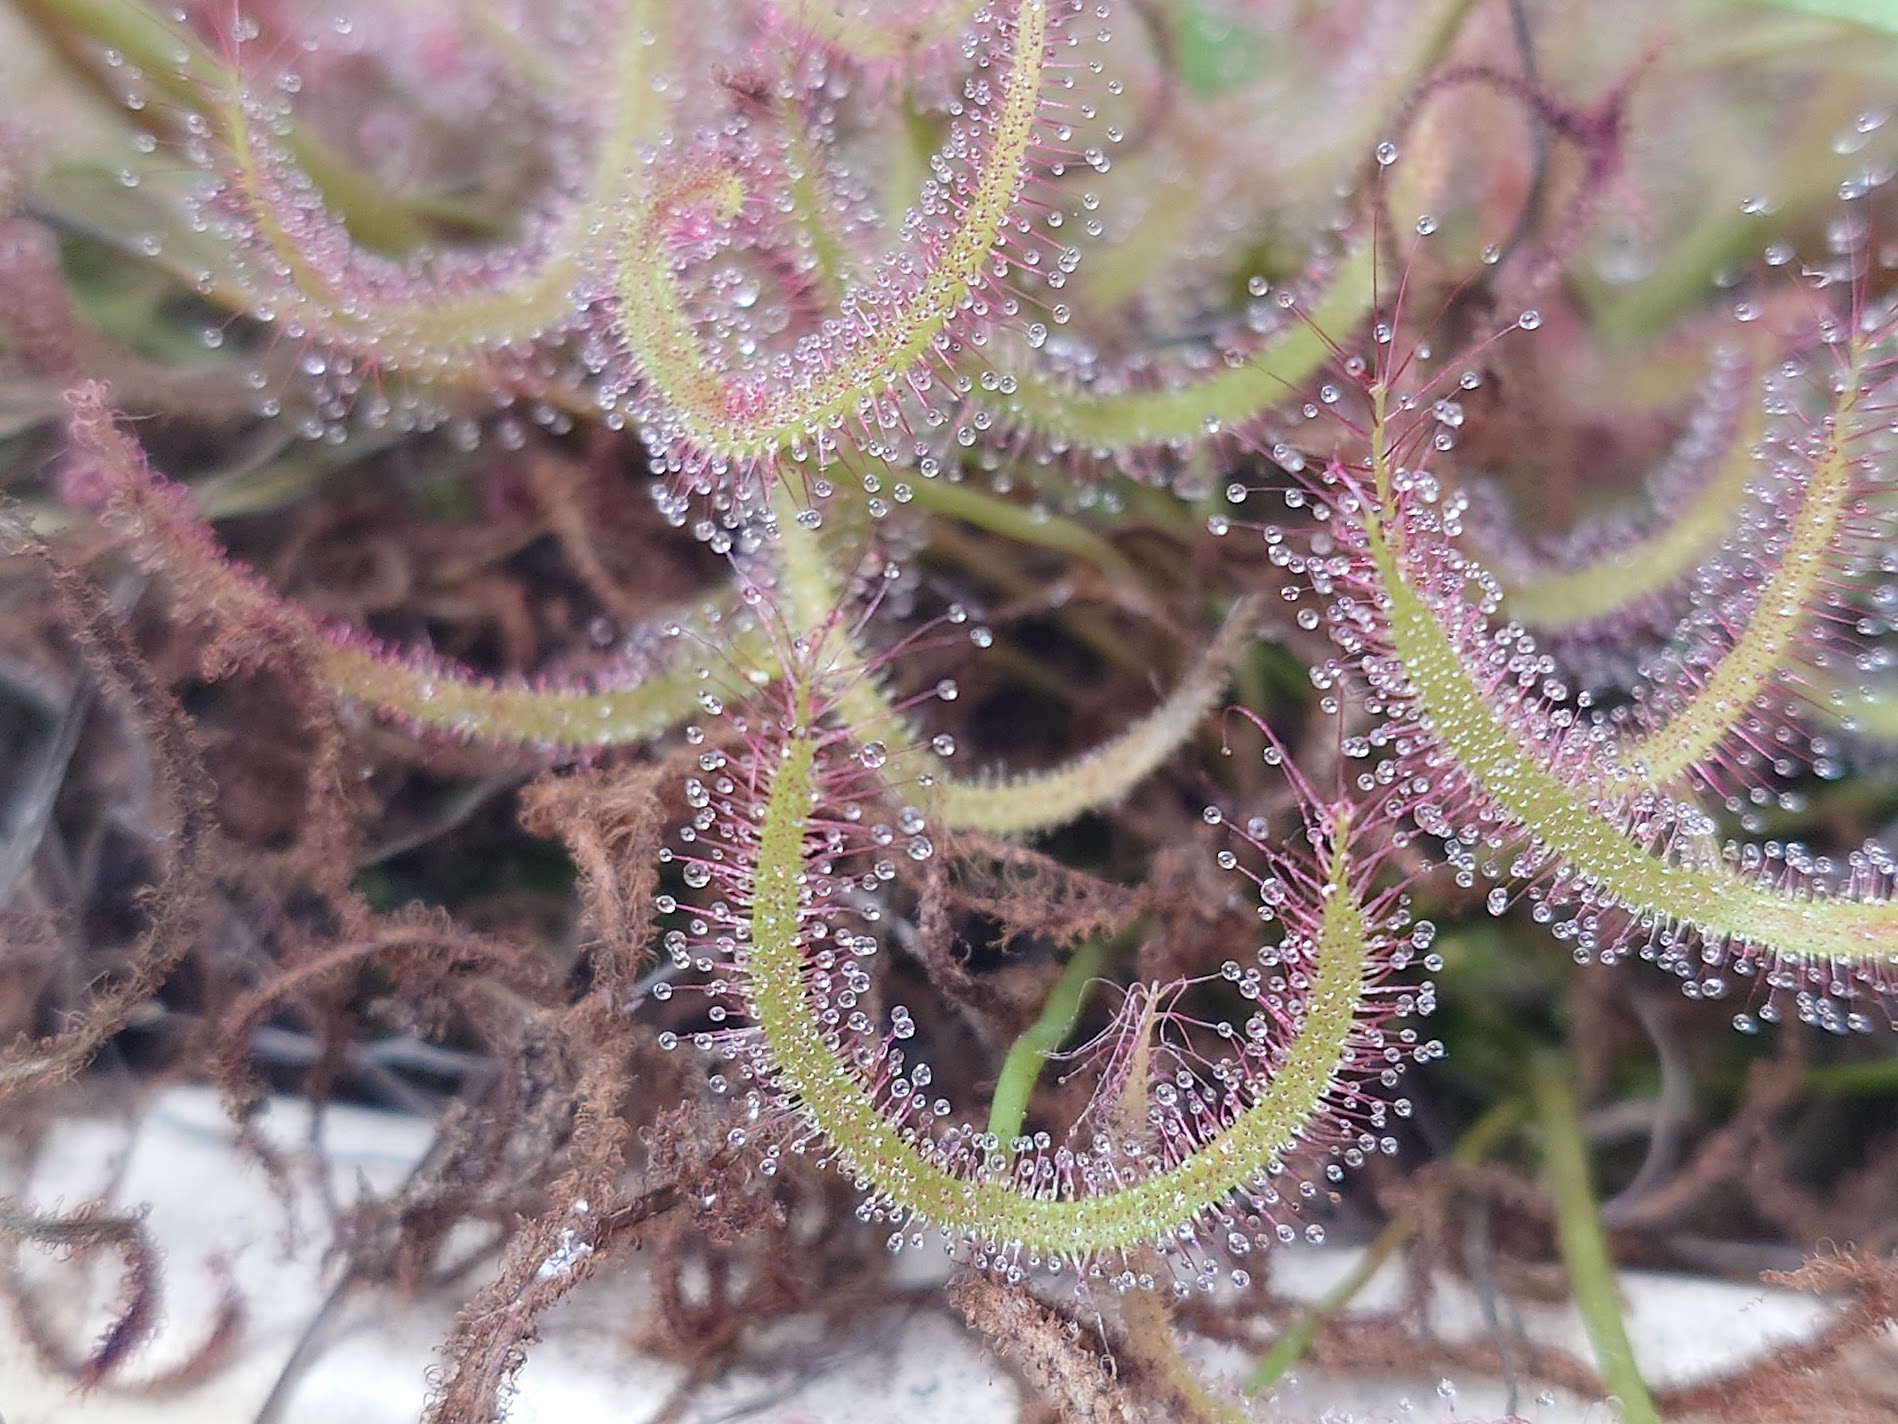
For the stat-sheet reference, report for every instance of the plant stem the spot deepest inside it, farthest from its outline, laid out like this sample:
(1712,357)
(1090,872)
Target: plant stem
(1583,1243)
(1022,1066)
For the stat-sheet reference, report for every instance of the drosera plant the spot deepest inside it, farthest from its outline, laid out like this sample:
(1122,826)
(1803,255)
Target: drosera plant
(831,301)
(1579,814)
(1205,1158)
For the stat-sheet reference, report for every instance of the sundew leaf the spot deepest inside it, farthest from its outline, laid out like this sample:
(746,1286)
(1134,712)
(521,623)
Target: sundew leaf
(1508,778)
(716,425)
(1707,707)
(428,694)
(1598,858)
(1224,1157)
(278,228)
(1226,403)
(458,315)
(1788,512)
(1630,568)
(177,68)
(1007,804)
